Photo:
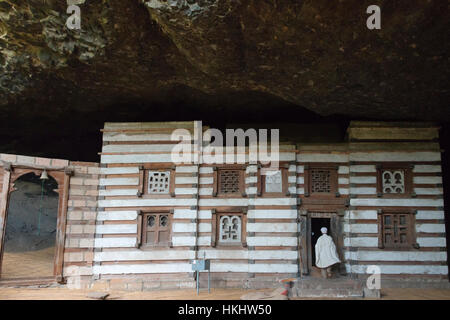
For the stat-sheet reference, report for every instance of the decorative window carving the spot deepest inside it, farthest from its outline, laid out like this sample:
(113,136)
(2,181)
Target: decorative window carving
(396,230)
(156,229)
(229,182)
(274,182)
(158,182)
(393,181)
(230,229)
(320,181)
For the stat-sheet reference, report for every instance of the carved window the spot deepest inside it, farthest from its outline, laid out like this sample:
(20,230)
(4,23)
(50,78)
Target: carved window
(394,180)
(156,229)
(230,229)
(158,182)
(230,181)
(321,180)
(396,230)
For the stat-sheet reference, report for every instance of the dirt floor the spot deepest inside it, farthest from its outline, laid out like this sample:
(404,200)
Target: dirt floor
(31,264)
(216,294)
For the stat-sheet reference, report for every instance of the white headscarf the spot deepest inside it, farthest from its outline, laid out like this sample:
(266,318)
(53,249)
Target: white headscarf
(323,230)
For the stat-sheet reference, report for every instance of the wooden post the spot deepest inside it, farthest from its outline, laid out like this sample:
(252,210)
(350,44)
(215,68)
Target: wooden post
(309,246)
(303,219)
(215,181)
(299,246)
(4,208)
(139,230)
(258,181)
(141,182)
(214,228)
(61,227)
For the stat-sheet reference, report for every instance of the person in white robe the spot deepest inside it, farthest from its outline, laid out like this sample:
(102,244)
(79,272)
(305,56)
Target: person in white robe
(326,254)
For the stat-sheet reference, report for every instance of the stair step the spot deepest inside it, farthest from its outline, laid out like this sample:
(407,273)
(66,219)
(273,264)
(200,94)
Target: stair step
(333,288)
(329,286)
(327,293)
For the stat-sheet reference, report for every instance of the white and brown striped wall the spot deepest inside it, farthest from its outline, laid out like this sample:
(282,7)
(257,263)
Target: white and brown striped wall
(106,199)
(426,204)
(270,246)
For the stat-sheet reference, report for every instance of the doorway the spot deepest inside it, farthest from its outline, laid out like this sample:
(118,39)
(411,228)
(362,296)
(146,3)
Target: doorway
(31,227)
(316,225)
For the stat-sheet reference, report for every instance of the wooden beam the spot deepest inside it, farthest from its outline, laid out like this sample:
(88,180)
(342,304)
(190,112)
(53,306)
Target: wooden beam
(4,208)
(61,227)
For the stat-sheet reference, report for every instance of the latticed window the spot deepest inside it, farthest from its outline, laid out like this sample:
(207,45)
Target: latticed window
(393,181)
(156,229)
(158,182)
(230,229)
(274,181)
(320,181)
(396,230)
(230,181)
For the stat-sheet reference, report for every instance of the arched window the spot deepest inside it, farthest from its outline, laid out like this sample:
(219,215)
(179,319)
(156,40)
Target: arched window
(230,229)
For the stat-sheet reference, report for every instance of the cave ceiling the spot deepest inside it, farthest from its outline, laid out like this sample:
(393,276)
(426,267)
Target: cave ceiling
(181,59)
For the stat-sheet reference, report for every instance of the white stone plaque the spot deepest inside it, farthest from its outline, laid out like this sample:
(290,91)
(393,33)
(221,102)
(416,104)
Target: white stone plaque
(274,182)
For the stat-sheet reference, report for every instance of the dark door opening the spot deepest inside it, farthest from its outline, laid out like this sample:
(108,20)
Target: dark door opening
(316,225)
(30,234)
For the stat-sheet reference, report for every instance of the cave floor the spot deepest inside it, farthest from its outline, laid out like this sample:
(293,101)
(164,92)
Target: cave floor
(189,294)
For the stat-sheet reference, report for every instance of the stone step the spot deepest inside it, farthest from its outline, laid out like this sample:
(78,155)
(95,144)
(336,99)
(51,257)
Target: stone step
(326,293)
(335,288)
(329,285)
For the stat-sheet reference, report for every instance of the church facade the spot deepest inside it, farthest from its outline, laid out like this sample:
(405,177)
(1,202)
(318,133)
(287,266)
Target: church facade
(137,220)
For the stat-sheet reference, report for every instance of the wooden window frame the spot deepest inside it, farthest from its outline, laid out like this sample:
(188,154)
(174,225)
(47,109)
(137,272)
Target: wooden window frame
(334,180)
(141,229)
(408,180)
(215,220)
(216,174)
(411,232)
(143,182)
(261,183)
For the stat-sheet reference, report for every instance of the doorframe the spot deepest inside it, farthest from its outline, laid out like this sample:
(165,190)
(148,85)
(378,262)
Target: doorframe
(336,220)
(11,173)
(326,215)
